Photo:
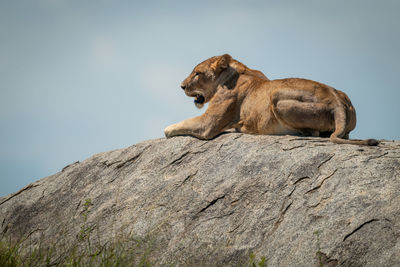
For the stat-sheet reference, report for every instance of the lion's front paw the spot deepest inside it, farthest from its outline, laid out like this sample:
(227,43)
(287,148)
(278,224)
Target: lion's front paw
(169,131)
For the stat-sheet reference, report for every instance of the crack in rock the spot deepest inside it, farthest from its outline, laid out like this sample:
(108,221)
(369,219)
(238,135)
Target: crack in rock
(179,159)
(182,156)
(359,227)
(325,161)
(69,165)
(281,217)
(322,182)
(19,192)
(293,147)
(111,163)
(186,179)
(376,156)
(301,179)
(210,204)
(130,160)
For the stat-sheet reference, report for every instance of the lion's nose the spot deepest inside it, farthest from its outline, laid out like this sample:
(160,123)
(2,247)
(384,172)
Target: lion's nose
(183,86)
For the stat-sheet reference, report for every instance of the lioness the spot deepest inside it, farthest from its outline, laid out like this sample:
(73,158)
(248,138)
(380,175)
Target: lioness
(244,99)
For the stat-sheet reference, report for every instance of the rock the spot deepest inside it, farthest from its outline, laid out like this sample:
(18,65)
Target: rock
(297,201)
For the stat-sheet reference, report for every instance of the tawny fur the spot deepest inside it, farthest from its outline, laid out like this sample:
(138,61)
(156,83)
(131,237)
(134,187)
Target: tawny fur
(245,99)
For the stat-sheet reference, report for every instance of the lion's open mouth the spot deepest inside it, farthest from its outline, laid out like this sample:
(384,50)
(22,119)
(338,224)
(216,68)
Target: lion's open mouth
(199,99)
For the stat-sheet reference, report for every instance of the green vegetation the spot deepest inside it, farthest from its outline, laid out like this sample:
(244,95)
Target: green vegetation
(124,252)
(319,253)
(115,255)
(8,255)
(86,229)
(253,262)
(85,251)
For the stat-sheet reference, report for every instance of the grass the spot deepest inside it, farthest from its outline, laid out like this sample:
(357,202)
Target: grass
(253,262)
(319,253)
(85,251)
(116,254)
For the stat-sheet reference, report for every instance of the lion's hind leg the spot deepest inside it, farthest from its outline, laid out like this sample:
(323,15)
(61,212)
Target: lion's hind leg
(306,117)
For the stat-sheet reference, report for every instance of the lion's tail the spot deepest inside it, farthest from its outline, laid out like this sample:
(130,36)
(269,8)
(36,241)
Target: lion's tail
(340,131)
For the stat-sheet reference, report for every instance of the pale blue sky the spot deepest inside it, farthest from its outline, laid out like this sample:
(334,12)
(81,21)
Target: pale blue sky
(82,77)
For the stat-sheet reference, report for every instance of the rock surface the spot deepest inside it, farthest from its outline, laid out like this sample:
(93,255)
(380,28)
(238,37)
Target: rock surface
(297,201)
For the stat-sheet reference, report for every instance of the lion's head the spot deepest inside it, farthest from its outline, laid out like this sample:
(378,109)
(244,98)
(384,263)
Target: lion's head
(202,83)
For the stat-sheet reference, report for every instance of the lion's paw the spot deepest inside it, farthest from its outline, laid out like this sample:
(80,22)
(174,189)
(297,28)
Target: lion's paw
(168,131)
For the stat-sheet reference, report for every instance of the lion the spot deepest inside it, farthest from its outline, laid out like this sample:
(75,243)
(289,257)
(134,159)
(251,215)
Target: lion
(246,100)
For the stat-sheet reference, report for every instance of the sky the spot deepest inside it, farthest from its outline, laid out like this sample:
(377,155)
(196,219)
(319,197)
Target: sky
(82,77)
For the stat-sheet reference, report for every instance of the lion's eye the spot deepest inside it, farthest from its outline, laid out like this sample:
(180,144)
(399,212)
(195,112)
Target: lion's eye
(197,73)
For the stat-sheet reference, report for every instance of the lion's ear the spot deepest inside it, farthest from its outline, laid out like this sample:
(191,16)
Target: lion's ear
(222,62)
